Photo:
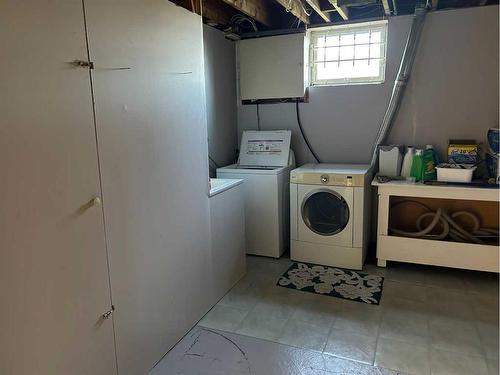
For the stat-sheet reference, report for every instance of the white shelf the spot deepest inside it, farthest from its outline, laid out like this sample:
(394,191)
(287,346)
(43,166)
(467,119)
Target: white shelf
(432,252)
(405,189)
(438,253)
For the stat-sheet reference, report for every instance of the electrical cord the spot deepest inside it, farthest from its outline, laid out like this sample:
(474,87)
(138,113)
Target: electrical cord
(238,19)
(308,13)
(303,134)
(258,117)
(213,162)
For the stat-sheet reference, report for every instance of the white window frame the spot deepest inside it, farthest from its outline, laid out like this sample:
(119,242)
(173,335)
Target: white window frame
(347,29)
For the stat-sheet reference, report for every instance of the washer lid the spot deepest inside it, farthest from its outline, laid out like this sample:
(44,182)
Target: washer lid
(239,170)
(265,148)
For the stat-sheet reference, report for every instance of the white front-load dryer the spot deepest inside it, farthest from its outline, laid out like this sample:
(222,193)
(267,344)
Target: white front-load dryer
(325,213)
(329,214)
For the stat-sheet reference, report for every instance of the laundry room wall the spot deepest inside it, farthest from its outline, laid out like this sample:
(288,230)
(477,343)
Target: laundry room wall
(340,121)
(453,93)
(221,96)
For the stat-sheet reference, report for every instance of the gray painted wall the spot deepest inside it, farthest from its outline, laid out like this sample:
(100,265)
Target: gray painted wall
(453,93)
(221,96)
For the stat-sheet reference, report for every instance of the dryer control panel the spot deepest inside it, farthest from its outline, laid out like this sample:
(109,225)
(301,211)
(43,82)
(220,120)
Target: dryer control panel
(327,179)
(320,175)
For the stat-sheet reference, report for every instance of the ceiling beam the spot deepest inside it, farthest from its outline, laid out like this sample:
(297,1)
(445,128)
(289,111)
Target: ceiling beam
(315,5)
(387,9)
(342,10)
(191,5)
(217,12)
(294,7)
(259,10)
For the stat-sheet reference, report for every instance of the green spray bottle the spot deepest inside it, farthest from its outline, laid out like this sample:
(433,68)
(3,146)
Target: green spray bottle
(429,164)
(417,165)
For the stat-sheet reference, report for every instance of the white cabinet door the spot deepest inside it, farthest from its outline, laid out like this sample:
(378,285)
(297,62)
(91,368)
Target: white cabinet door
(53,269)
(149,93)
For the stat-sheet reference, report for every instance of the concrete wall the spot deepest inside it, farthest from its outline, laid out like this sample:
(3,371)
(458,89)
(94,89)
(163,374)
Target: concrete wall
(221,94)
(453,93)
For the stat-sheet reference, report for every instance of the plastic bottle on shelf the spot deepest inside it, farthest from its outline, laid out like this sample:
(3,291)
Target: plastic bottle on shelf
(417,165)
(407,162)
(429,164)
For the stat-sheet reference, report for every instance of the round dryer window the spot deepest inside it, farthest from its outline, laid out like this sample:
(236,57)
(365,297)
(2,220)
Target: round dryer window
(325,212)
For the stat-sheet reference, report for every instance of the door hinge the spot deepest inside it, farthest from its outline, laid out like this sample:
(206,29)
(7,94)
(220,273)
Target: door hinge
(83,63)
(108,313)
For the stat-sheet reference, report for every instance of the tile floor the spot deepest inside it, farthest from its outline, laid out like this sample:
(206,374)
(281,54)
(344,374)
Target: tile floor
(430,320)
(206,351)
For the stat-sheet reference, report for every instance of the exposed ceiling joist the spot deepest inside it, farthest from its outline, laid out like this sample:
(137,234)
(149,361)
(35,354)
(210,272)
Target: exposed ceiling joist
(341,10)
(217,12)
(196,6)
(317,8)
(294,7)
(257,9)
(387,9)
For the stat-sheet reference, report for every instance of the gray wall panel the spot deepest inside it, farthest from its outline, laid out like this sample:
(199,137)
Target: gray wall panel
(220,89)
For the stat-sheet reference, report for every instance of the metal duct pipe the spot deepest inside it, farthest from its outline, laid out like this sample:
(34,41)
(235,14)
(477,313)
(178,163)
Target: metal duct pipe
(401,79)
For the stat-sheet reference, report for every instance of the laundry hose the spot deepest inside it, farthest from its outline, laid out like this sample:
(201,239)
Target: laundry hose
(449,227)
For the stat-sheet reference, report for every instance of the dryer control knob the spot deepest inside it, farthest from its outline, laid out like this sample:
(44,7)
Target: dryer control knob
(325,179)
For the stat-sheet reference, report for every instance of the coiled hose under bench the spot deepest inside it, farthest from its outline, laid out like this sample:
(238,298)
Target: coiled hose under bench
(449,227)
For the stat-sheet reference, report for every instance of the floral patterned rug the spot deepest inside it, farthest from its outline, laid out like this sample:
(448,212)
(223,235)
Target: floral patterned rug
(334,282)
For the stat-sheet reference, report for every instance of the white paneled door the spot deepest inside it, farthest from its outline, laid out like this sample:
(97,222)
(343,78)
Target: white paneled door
(149,92)
(54,284)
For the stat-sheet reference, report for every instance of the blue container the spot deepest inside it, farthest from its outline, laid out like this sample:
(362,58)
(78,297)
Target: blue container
(492,164)
(493,139)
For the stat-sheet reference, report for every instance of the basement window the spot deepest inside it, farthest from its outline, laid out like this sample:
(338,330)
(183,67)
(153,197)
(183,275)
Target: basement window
(348,54)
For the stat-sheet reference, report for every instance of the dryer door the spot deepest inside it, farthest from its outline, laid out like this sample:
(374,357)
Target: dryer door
(325,215)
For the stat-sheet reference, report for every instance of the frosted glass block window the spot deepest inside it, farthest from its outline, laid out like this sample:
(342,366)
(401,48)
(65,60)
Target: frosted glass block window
(346,54)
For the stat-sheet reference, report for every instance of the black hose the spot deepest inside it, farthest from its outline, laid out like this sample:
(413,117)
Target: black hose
(303,134)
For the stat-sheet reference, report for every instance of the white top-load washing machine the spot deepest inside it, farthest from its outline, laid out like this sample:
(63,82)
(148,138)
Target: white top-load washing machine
(330,214)
(264,164)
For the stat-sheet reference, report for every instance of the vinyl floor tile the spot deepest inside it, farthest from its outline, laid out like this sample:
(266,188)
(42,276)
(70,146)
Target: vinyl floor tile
(224,318)
(401,356)
(446,363)
(428,319)
(304,335)
(351,346)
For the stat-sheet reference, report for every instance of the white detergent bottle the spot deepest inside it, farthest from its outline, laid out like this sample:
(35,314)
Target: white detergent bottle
(407,162)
